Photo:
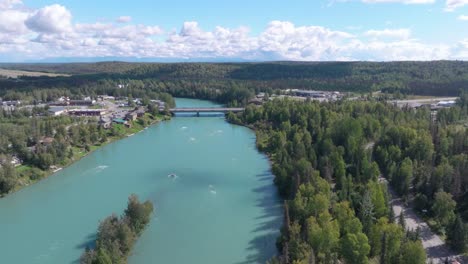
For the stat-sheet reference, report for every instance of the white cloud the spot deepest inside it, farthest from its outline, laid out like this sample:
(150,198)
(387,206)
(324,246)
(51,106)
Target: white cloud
(398,50)
(389,33)
(91,28)
(124,19)
(129,32)
(286,41)
(461,50)
(12,18)
(463,17)
(451,5)
(6,4)
(50,19)
(13,21)
(192,42)
(49,31)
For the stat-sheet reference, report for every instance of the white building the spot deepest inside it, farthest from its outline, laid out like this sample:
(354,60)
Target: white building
(446,103)
(108,98)
(56,111)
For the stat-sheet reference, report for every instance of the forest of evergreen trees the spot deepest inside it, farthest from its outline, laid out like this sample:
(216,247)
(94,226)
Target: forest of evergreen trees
(329,159)
(327,168)
(233,83)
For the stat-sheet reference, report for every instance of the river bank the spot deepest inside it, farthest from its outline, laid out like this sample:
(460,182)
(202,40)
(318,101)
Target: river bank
(31,175)
(212,190)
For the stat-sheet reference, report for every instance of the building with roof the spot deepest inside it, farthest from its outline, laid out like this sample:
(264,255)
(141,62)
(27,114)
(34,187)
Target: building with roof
(11,103)
(58,110)
(256,101)
(119,121)
(87,112)
(446,103)
(132,116)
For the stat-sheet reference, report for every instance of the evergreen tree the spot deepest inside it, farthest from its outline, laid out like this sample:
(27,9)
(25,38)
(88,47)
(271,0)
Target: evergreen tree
(401,220)
(443,209)
(458,235)
(383,250)
(413,253)
(366,213)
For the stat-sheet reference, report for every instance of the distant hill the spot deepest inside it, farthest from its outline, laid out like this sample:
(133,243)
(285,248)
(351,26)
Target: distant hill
(73,68)
(425,78)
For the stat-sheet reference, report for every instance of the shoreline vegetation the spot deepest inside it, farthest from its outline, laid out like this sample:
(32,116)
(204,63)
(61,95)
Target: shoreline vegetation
(116,236)
(117,132)
(335,207)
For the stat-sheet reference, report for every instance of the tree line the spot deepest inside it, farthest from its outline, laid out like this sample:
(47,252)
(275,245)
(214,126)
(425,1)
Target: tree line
(328,161)
(427,163)
(234,83)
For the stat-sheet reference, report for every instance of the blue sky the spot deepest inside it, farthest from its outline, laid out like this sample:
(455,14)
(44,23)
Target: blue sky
(233,30)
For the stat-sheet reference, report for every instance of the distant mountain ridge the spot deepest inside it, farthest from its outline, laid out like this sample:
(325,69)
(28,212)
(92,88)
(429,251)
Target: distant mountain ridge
(444,78)
(132,59)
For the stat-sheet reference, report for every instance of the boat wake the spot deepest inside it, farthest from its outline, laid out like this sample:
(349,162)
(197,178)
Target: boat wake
(101,168)
(212,189)
(172,176)
(217,132)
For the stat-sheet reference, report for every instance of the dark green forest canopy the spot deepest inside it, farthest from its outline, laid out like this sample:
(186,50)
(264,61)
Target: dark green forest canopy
(330,159)
(444,78)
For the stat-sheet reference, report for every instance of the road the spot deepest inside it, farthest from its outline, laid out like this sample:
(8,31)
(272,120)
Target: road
(435,247)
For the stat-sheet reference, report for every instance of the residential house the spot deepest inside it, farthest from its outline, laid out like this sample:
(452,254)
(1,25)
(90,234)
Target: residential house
(132,116)
(140,111)
(256,101)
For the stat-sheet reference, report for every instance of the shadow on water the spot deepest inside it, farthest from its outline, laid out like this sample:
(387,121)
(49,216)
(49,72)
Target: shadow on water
(89,242)
(265,177)
(263,244)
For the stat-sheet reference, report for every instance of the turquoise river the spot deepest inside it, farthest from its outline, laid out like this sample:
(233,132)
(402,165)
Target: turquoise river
(213,192)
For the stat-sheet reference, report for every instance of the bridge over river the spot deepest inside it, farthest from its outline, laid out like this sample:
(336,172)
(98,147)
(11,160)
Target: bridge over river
(199,110)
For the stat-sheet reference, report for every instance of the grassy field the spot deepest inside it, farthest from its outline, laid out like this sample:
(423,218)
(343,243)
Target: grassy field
(16,73)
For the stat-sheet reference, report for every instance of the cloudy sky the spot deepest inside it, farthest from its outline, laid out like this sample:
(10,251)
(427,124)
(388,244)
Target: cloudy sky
(253,30)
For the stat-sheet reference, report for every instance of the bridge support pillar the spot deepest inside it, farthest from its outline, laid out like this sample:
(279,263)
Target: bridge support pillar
(198,114)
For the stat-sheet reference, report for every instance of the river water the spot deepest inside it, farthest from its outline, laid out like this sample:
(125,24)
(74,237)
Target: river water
(213,194)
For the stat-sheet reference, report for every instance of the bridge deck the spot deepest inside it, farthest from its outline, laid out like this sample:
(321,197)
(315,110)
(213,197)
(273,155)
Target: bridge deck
(206,110)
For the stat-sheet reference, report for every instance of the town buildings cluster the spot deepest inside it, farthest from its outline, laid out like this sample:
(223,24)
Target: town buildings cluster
(108,109)
(296,94)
